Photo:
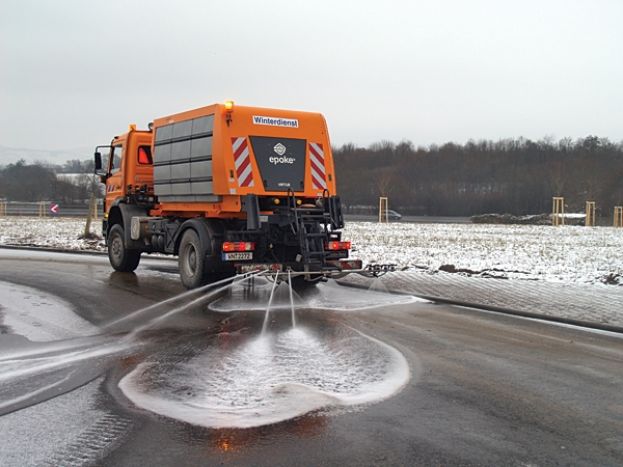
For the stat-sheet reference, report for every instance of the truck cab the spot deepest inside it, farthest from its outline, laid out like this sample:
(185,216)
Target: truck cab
(128,166)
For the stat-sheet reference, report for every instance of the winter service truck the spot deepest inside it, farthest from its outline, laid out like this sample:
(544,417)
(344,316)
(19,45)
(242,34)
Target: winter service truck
(228,189)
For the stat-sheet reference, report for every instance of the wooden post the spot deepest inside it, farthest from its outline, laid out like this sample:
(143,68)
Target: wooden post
(87,225)
(558,210)
(383,208)
(43,208)
(3,208)
(618,216)
(589,221)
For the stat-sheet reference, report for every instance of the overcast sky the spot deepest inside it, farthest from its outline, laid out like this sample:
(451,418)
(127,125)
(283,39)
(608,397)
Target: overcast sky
(75,73)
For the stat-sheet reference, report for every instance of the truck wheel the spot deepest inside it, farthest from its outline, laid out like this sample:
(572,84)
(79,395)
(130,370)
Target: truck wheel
(121,259)
(192,260)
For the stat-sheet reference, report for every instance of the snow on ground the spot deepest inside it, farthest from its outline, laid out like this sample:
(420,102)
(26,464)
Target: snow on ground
(563,254)
(50,232)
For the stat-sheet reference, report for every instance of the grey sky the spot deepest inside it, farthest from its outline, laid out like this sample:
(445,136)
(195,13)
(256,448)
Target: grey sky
(74,73)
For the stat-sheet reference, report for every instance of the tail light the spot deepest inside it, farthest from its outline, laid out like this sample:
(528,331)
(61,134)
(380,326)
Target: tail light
(337,246)
(238,246)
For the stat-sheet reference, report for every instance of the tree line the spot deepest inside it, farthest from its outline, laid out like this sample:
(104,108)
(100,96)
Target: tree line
(517,176)
(40,182)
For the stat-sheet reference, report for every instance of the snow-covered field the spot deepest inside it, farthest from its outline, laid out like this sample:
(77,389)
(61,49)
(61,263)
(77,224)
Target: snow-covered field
(567,254)
(49,232)
(562,254)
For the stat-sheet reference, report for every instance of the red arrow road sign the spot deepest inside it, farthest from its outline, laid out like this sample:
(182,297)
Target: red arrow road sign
(54,208)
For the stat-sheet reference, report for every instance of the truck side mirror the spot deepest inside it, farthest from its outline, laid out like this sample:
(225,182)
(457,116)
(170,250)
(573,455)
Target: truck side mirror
(98,161)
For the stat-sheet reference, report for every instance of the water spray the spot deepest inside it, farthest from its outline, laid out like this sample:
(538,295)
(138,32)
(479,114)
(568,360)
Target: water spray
(291,298)
(197,301)
(179,297)
(270,301)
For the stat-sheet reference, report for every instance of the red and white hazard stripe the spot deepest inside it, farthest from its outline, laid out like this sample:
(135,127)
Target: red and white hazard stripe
(318,171)
(242,161)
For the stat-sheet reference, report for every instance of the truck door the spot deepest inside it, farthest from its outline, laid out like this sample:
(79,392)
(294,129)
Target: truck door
(115,183)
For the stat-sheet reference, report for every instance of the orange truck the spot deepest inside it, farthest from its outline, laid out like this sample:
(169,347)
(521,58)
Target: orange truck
(228,189)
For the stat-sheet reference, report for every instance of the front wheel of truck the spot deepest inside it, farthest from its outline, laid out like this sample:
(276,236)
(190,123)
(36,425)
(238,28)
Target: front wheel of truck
(121,258)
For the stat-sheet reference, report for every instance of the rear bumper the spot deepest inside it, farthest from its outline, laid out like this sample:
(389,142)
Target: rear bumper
(334,267)
(346,264)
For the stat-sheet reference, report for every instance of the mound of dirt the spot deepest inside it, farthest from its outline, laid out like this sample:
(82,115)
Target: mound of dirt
(532,219)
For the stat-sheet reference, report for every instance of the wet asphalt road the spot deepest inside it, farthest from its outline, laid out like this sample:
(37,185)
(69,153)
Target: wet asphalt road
(484,389)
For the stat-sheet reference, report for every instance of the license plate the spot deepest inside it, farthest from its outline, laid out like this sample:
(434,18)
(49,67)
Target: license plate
(238,256)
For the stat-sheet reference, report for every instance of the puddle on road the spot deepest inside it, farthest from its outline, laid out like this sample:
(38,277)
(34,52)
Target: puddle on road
(39,316)
(210,369)
(234,380)
(32,371)
(37,373)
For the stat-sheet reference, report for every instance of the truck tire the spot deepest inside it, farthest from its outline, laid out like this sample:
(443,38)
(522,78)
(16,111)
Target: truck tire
(192,260)
(121,258)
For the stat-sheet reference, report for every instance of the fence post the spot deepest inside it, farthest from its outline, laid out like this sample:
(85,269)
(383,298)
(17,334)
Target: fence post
(383,209)
(589,221)
(558,210)
(618,216)
(43,208)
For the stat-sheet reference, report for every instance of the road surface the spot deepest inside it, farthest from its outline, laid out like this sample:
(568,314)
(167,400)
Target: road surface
(438,385)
